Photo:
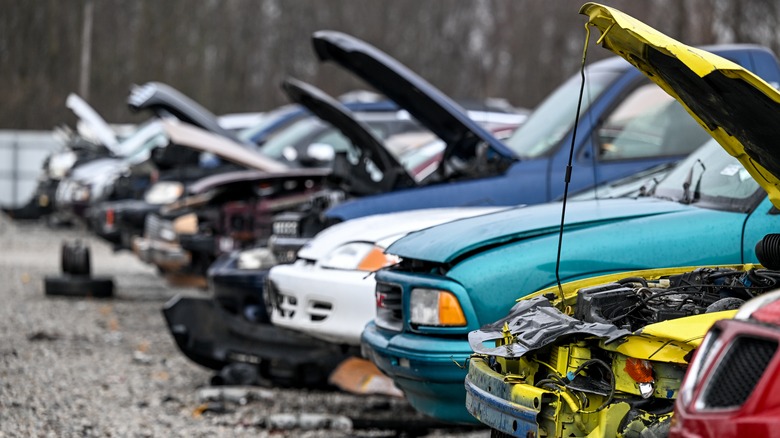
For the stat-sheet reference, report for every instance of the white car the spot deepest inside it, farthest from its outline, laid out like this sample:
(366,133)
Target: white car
(328,292)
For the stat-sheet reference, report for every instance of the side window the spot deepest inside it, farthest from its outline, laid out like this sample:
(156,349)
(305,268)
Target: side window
(649,123)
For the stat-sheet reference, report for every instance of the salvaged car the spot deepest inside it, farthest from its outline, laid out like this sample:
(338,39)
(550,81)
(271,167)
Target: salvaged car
(730,388)
(93,140)
(129,175)
(224,217)
(444,288)
(605,356)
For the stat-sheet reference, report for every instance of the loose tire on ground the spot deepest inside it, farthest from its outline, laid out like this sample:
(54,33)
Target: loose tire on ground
(79,286)
(75,258)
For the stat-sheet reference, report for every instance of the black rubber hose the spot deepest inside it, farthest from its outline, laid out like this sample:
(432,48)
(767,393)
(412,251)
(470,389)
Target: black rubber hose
(768,251)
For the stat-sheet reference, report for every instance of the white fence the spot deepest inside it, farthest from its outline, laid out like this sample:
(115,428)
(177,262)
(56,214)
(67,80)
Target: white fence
(21,156)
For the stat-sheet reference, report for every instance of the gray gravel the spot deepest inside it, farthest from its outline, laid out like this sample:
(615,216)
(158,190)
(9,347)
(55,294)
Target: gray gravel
(86,367)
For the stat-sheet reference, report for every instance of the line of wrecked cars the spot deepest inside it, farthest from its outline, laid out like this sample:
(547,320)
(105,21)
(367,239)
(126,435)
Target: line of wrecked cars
(431,241)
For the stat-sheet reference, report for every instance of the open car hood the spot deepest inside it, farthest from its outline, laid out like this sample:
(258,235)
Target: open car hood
(432,108)
(330,110)
(226,179)
(164,100)
(191,136)
(97,125)
(739,109)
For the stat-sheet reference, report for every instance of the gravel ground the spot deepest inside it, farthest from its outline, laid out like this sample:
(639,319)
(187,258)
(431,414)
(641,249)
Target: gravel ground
(86,367)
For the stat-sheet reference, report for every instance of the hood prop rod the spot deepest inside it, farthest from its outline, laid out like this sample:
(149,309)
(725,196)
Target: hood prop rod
(567,178)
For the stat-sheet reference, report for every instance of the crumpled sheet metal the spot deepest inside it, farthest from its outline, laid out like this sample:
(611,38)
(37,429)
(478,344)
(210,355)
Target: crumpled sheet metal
(535,323)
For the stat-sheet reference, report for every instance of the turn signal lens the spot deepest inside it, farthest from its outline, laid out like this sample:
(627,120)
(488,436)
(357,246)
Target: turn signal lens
(376,259)
(639,370)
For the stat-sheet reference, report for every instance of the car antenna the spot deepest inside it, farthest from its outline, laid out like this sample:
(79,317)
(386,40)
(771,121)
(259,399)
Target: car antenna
(567,177)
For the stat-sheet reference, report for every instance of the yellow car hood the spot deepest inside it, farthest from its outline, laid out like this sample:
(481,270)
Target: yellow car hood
(739,109)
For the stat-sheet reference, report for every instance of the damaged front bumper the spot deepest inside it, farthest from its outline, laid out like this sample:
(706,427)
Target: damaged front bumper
(168,256)
(214,338)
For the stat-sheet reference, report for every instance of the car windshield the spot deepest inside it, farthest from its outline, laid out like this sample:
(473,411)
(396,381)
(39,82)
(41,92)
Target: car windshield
(554,117)
(290,136)
(711,178)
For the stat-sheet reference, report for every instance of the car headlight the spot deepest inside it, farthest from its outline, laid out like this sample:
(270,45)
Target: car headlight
(80,193)
(361,256)
(435,307)
(60,164)
(256,258)
(164,192)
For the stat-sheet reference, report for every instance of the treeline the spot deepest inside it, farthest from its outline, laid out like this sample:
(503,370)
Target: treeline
(231,55)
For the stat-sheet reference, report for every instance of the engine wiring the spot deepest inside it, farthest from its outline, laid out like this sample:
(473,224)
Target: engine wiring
(709,287)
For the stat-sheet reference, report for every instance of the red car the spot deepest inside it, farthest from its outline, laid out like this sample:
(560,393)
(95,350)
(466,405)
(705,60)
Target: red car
(732,387)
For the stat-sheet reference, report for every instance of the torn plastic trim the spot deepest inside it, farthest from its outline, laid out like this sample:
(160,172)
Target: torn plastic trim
(532,324)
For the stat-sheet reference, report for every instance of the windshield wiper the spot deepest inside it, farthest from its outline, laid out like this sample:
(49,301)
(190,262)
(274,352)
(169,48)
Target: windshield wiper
(648,188)
(687,198)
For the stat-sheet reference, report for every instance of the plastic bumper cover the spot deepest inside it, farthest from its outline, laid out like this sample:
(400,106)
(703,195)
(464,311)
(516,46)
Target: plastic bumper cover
(214,338)
(430,371)
(331,304)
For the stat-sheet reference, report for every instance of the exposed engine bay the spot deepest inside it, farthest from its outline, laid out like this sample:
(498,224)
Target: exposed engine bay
(634,302)
(597,362)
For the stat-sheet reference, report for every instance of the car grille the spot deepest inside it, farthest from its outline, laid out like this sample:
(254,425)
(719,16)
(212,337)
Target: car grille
(157,228)
(389,306)
(738,372)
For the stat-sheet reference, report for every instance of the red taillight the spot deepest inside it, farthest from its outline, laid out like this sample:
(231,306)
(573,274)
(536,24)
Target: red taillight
(640,370)
(110,217)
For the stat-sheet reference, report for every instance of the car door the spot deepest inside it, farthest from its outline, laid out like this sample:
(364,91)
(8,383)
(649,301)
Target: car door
(640,129)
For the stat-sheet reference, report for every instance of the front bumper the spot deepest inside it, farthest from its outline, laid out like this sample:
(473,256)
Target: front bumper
(488,400)
(211,337)
(430,371)
(238,291)
(331,304)
(168,256)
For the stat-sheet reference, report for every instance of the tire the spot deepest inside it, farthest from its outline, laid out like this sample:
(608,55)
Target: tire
(75,258)
(79,286)
(65,258)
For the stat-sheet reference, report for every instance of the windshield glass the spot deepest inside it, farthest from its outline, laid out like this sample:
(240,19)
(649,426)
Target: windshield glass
(715,179)
(290,136)
(554,117)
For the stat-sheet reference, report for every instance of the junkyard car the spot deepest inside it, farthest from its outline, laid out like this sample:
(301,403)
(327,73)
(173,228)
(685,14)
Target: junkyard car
(605,356)
(234,218)
(130,174)
(444,287)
